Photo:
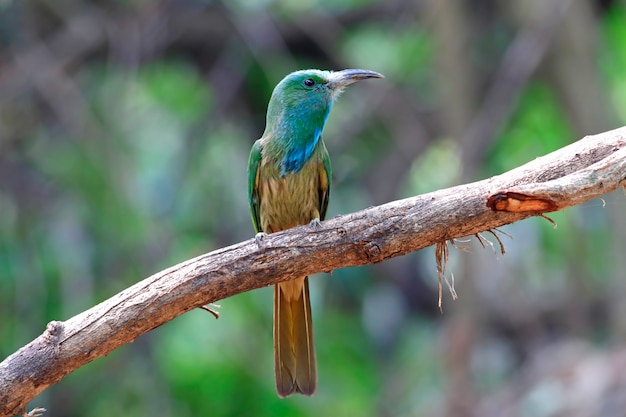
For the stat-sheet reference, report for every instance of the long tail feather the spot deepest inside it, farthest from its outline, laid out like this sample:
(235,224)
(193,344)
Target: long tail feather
(294,352)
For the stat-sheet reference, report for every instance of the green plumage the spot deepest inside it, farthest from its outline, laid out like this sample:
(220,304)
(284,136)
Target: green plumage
(289,177)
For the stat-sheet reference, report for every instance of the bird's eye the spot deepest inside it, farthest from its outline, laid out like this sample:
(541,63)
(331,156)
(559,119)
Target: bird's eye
(309,82)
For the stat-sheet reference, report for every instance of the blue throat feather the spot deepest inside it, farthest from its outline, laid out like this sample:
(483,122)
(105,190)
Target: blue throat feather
(300,149)
(296,156)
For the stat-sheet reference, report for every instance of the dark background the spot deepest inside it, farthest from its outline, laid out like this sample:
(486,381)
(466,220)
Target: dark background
(125,128)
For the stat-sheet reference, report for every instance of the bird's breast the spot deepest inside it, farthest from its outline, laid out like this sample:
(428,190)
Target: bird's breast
(289,200)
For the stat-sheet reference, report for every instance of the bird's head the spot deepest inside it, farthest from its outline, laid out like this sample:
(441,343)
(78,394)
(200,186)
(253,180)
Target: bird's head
(310,93)
(298,110)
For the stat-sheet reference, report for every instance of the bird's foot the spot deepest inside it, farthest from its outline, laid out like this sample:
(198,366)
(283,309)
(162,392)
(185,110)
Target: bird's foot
(316,224)
(258,238)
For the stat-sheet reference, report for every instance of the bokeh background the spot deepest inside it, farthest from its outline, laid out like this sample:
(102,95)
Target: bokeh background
(125,128)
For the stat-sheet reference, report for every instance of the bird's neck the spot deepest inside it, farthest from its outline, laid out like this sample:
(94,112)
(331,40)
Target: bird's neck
(292,139)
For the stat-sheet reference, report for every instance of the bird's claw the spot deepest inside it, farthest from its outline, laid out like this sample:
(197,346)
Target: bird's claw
(316,224)
(258,238)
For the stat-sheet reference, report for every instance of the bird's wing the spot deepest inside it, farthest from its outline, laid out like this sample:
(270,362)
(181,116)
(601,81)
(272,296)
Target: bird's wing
(253,184)
(326,174)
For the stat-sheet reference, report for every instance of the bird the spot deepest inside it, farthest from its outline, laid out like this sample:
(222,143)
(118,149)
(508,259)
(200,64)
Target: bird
(289,177)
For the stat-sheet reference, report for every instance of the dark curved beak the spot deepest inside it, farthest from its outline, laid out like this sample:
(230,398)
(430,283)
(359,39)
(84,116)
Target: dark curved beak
(340,79)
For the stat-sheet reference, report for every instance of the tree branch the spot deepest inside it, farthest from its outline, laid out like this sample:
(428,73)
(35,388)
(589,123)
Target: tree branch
(572,175)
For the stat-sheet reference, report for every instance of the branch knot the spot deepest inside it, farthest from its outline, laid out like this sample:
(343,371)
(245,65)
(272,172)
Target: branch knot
(373,251)
(54,332)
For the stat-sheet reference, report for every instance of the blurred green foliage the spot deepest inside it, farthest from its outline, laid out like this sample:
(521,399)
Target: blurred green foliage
(130,156)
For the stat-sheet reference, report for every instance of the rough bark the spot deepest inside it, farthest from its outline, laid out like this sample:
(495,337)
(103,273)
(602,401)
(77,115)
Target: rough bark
(572,175)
